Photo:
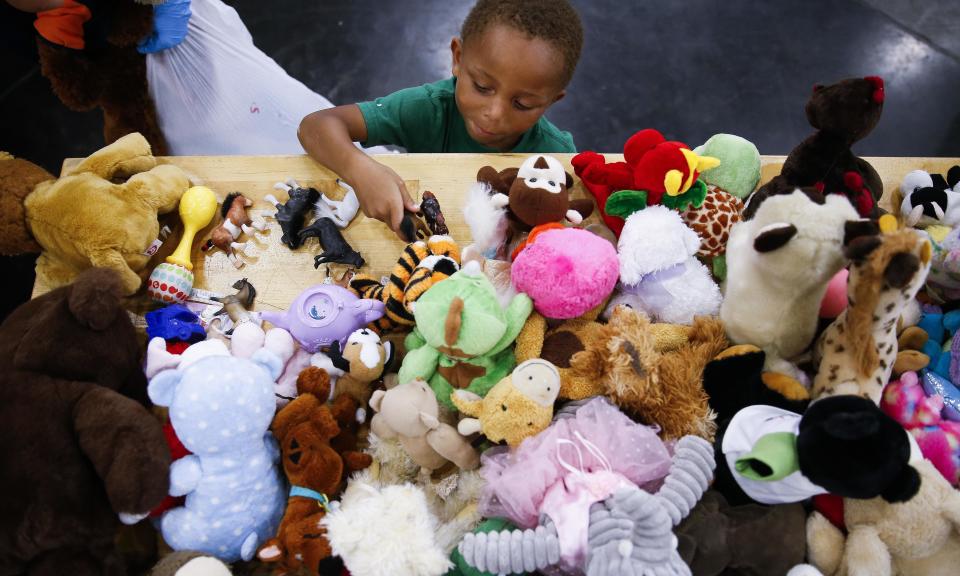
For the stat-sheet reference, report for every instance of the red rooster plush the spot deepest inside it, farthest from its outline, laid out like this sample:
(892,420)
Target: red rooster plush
(653,165)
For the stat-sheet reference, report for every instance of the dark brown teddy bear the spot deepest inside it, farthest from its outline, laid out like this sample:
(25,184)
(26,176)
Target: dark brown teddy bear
(79,447)
(842,113)
(108,73)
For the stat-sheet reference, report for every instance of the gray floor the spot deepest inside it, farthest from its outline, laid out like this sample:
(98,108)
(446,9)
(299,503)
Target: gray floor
(690,68)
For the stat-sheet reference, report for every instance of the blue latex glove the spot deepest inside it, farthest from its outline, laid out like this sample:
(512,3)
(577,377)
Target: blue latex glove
(170,21)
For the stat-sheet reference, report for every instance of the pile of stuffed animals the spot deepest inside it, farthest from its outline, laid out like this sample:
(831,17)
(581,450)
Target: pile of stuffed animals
(654,391)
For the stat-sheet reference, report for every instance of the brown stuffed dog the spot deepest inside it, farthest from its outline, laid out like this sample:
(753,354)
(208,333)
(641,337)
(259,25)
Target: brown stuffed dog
(842,113)
(663,388)
(86,218)
(79,447)
(315,470)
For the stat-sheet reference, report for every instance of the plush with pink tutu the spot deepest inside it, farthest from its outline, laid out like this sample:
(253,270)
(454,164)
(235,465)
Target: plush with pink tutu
(905,401)
(566,272)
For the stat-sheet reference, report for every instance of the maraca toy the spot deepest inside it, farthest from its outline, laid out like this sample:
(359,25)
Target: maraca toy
(172,281)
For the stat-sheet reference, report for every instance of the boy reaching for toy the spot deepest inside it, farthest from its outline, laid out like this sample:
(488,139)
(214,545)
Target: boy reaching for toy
(512,61)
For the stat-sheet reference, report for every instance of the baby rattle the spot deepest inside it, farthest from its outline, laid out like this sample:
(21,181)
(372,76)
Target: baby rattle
(172,281)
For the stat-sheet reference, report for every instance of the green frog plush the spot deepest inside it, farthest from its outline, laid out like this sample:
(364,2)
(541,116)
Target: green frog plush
(462,336)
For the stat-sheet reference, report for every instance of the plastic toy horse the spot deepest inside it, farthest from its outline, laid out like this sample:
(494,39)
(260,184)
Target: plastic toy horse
(235,222)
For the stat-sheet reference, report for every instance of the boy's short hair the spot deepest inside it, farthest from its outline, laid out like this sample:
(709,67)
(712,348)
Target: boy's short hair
(554,21)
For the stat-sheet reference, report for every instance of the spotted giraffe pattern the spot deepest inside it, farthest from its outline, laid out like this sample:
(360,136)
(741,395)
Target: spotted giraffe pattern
(841,370)
(713,220)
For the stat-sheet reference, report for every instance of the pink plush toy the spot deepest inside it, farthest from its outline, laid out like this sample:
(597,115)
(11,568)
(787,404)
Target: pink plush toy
(566,271)
(905,401)
(835,300)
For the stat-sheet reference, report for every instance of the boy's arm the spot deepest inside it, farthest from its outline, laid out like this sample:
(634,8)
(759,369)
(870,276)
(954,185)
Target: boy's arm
(328,136)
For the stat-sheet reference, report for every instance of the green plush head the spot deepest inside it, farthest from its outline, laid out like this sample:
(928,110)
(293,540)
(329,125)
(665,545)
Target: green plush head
(461,316)
(739,170)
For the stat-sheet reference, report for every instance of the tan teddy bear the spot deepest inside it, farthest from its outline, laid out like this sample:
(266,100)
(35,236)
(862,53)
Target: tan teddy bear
(410,412)
(919,536)
(85,219)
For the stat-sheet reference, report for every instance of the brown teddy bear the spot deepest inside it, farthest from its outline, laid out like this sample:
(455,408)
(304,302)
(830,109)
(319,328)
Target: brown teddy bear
(305,429)
(84,219)
(80,449)
(842,113)
(104,70)
(18,249)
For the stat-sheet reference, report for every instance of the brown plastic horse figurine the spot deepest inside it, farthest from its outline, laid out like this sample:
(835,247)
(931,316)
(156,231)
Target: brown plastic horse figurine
(235,221)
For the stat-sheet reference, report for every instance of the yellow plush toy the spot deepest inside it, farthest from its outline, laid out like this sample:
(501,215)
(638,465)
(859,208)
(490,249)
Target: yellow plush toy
(518,406)
(85,219)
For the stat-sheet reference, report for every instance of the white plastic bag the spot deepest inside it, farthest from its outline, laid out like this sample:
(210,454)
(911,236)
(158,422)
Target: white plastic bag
(217,93)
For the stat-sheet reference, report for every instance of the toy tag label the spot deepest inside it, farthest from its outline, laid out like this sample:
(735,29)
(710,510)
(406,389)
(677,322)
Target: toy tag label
(156,244)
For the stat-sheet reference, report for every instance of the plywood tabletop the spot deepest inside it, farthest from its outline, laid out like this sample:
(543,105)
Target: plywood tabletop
(279,274)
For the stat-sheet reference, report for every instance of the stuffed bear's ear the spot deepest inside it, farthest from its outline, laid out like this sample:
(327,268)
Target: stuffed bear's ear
(901,269)
(904,487)
(774,236)
(269,362)
(569,182)
(95,298)
(162,387)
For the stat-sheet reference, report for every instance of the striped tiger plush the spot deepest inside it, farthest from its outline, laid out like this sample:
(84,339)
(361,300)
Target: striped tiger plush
(421,265)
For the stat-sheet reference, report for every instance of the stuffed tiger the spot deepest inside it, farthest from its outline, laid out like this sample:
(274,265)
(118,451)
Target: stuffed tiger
(422,264)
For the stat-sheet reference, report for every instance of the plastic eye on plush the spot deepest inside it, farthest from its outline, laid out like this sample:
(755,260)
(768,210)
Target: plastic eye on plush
(533,180)
(552,183)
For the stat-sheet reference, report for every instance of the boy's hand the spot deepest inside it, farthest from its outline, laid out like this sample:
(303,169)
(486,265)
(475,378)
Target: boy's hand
(383,195)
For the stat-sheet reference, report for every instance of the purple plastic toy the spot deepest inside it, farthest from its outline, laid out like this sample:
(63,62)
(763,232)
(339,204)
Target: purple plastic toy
(323,314)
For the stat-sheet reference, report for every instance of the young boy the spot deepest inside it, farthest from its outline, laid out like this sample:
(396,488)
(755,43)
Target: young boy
(512,61)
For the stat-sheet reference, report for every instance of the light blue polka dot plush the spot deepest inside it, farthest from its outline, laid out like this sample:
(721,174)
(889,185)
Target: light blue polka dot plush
(221,408)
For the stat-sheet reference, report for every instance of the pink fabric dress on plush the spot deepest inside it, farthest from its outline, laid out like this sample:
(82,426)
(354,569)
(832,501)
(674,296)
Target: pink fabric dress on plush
(518,481)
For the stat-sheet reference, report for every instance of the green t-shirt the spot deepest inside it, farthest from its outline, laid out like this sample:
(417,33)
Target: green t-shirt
(426,119)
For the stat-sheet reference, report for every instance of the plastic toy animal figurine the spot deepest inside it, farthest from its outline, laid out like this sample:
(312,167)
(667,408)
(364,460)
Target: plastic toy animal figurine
(323,314)
(236,305)
(430,207)
(235,222)
(290,215)
(335,247)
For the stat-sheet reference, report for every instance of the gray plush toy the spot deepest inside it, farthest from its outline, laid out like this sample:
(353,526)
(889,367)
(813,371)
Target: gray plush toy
(630,532)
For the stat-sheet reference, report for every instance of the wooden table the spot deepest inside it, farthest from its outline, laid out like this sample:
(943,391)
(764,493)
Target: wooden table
(279,273)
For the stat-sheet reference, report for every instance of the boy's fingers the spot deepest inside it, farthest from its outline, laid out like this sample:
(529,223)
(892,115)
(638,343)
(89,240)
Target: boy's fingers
(408,203)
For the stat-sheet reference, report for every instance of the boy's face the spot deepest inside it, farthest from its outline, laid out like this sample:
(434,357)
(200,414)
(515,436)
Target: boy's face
(505,82)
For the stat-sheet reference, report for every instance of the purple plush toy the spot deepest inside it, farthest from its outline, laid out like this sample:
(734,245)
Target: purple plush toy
(323,314)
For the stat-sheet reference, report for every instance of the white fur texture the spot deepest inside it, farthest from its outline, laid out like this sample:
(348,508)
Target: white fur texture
(386,531)
(653,243)
(487,220)
(204,566)
(772,299)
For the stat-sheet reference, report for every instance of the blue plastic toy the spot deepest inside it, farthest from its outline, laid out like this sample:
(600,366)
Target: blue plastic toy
(175,322)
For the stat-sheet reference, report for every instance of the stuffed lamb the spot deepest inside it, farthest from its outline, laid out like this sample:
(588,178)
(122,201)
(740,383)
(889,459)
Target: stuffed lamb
(659,272)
